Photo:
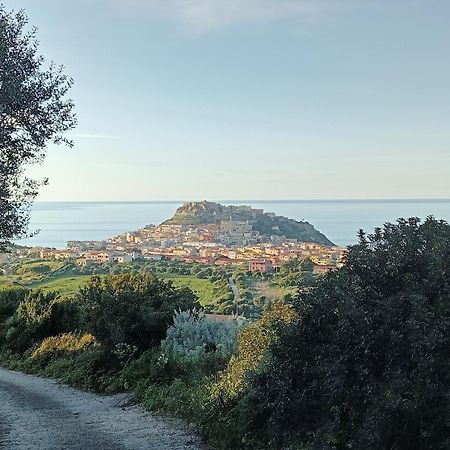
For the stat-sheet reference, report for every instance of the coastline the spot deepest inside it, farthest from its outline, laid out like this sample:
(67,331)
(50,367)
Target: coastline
(339,220)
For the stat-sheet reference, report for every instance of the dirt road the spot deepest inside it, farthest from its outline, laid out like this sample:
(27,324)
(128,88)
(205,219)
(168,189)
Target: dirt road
(38,413)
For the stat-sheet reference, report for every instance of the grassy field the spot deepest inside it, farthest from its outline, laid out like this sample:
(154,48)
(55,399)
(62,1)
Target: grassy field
(69,282)
(204,289)
(270,290)
(63,283)
(44,274)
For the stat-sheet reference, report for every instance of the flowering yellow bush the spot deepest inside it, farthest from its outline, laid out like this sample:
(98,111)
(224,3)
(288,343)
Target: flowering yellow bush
(253,342)
(68,342)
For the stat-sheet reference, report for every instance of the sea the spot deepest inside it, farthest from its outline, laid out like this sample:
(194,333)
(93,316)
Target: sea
(55,223)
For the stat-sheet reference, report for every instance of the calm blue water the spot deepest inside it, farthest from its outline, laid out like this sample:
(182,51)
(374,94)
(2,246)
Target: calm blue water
(339,220)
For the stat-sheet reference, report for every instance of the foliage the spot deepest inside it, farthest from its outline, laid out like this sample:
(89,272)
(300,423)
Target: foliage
(38,315)
(297,273)
(9,300)
(253,342)
(192,334)
(124,352)
(156,366)
(65,277)
(179,398)
(33,112)
(365,365)
(135,309)
(35,308)
(202,288)
(358,360)
(41,268)
(66,342)
(82,368)
(160,379)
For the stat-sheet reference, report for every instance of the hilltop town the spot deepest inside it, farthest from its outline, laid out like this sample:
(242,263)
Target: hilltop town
(210,233)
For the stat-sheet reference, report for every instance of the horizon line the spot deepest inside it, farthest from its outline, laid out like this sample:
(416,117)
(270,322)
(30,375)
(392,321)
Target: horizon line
(393,199)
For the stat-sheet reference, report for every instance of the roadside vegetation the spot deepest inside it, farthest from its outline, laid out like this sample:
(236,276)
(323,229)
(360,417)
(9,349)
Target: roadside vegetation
(356,358)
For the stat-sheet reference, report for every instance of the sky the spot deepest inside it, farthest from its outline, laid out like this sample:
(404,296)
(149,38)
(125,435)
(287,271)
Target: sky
(250,99)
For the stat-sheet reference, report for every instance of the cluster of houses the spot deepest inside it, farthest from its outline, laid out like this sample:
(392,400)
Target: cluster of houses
(226,233)
(324,258)
(225,243)
(257,258)
(86,258)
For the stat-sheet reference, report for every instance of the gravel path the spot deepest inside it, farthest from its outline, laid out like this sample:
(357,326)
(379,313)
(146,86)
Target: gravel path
(38,413)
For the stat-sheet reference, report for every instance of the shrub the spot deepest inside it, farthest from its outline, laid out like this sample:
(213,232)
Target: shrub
(134,309)
(35,308)
(84,369)
(152,367)
(366,364)
(67,342)
(124,352)
(192,334)
(9,300)
(253,342)
(180,398)
(39,315)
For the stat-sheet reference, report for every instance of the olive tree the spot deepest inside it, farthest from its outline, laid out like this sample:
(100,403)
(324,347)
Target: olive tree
(34,111)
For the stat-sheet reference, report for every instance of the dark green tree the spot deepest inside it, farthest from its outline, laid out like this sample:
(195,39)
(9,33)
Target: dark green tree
(38,315)
(297,273)
(34,111)
(366,365)
(134,309)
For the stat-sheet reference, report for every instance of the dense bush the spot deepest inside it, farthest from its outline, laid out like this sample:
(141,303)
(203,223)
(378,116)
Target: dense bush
(134,309)
(9,301)
(192,334)
(252,345)
(159,367)
(39,315)
(366,364)
(297,273)
(36,307)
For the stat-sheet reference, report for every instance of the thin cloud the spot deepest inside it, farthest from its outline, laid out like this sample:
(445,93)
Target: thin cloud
(210,15)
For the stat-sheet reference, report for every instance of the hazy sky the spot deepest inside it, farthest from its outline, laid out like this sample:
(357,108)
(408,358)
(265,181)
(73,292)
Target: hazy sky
(250,99)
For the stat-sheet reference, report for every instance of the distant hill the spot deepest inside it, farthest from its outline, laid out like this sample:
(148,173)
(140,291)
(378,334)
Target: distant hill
(267,224)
